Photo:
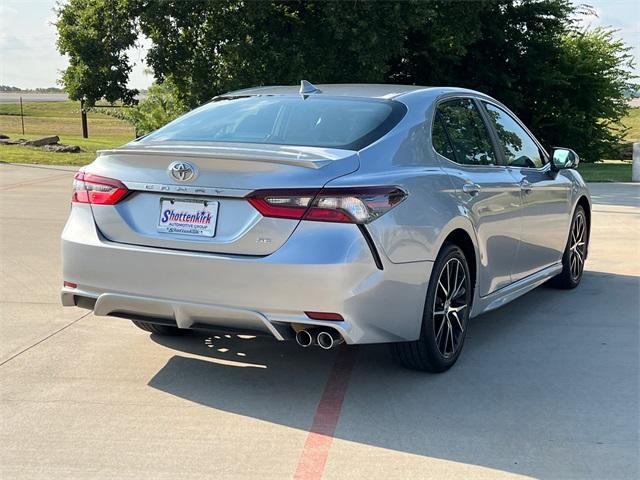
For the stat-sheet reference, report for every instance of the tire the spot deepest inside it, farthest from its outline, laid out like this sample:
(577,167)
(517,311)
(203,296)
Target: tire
(575,253)
(446,312)
(167,330)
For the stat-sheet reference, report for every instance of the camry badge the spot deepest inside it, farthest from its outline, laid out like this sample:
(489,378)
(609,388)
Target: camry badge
(182,171)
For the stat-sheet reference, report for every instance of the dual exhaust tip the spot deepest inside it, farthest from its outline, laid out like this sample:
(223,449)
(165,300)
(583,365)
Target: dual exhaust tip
(325,338)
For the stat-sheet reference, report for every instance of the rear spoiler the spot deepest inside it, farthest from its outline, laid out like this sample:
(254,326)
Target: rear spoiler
(307,157)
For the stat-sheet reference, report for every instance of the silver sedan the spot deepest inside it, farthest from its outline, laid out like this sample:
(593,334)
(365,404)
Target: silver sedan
(329,214)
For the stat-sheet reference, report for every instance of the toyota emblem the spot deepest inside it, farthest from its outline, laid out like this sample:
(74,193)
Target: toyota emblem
(182,171)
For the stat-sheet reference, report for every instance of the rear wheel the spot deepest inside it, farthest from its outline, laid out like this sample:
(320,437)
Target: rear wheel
(444,321)
(575,253)
(158,329)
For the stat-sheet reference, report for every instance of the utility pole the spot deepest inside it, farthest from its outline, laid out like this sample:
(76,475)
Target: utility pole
(22,115)
(83,116)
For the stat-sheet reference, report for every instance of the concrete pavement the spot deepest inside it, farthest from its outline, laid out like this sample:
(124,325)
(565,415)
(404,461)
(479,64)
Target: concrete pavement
(547,387)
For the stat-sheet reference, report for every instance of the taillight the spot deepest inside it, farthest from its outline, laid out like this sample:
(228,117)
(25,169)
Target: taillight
(97,190)
(282,203)
(345,205)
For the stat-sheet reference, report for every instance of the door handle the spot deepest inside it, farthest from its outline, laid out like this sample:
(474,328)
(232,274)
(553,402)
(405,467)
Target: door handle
(471,188)
(526,186)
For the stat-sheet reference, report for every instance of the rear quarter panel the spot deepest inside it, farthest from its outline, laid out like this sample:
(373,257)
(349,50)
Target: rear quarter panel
(412,231)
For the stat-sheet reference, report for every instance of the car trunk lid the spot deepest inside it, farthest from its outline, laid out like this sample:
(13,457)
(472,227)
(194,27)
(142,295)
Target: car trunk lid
(225,174)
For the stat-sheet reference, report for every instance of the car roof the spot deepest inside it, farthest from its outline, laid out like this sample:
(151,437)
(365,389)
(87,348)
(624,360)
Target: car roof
(367,90)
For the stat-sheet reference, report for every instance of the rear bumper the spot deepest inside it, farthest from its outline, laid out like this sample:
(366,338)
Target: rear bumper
(322,267)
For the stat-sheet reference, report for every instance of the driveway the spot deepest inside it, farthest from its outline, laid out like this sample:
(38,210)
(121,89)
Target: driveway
(546,387)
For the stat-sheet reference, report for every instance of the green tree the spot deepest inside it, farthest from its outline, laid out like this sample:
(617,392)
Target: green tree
(212,47)
(95,35)
(589,98)
(567,85)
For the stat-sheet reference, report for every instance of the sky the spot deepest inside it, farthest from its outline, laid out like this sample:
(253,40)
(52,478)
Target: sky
(29,59)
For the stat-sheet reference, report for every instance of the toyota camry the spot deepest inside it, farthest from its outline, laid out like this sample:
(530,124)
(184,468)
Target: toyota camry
(328,214)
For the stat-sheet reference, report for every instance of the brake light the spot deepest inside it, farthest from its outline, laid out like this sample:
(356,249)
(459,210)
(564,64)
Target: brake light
(344,205)
(282,203)
(97,190)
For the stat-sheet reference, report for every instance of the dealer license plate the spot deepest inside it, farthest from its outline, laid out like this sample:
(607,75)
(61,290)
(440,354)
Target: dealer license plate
(188,217)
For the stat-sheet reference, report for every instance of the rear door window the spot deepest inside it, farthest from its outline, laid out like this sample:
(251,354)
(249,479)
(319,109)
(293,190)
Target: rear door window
(441,142)
(468,138)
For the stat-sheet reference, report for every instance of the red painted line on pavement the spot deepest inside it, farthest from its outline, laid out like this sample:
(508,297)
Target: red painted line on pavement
(316,448)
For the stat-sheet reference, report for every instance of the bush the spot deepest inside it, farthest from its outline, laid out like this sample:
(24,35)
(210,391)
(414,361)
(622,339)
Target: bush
(156,109)
(159,107)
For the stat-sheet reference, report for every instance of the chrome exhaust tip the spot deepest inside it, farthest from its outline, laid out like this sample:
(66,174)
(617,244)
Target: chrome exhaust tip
(304,338)
(326,340)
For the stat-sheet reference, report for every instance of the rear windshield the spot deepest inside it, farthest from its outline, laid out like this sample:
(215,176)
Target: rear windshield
(315,121)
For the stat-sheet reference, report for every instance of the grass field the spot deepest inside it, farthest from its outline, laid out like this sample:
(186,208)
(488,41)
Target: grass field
(606,171)
(633,123)
(63,119)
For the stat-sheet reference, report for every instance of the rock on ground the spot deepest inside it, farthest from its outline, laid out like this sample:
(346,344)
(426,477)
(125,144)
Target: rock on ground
(40,142)
(62,148)
(8,141)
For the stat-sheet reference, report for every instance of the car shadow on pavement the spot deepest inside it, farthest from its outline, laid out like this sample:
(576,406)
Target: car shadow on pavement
(531,393)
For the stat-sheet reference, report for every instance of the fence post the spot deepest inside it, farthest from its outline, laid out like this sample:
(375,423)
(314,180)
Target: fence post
(635,172)
(21,115)
(83,116)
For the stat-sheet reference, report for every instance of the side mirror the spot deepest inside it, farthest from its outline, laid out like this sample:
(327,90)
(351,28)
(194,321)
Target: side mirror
(563,158)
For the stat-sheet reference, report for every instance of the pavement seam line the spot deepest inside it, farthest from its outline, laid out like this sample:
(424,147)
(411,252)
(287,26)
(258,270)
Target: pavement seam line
(36,181)
(43,167)
(43,339)
(19,302)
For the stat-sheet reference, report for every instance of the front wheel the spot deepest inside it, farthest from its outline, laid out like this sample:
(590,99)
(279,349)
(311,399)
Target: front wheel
(575,253)
(444,321)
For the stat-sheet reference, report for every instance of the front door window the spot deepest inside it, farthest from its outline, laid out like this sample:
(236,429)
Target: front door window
(519,148)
